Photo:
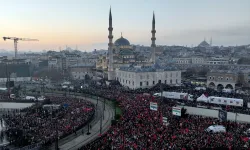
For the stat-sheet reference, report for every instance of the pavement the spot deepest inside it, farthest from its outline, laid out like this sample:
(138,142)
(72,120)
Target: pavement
(73,142)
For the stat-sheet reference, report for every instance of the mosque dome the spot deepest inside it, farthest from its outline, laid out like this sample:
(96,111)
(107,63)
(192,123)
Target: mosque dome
(122,42)
(203,44)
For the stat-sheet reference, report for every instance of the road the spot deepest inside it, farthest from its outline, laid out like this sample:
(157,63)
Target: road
(73,142)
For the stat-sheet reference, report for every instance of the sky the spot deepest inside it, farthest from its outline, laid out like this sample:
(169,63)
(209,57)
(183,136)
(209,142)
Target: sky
(84,23)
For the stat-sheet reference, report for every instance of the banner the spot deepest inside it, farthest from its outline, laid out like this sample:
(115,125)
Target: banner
(164,119)
(153,106)
(222,115)
(176,111)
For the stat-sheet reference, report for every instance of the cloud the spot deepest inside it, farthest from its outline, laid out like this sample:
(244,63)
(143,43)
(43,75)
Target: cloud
(221,36)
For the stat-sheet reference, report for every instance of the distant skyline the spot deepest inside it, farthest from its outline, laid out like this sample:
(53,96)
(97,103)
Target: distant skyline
(82,23)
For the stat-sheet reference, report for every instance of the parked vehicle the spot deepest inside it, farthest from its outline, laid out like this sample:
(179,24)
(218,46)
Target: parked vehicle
(223,101)
(176,95)
(30,98)
(227,90)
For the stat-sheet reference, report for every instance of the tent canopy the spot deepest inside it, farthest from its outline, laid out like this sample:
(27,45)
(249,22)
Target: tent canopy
(202,98)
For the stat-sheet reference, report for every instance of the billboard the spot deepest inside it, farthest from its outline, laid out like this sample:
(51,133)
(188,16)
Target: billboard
(222,115)
(165,121)
(176,111)
(153,106)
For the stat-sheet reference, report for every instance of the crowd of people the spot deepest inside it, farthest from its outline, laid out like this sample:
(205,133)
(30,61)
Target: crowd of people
(138,128)
(142,128)
(40,124)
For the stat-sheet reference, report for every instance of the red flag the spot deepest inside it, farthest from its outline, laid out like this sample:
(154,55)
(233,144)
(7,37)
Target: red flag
(245,139)
(173,137)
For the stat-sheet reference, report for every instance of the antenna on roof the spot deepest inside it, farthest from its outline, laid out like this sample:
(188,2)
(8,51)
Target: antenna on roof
(121,34)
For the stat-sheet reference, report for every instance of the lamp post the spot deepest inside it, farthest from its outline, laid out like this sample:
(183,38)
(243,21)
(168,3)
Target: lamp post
(236,114)
(101,124)
(104,103)
(88,133)
(56,143)
(103,108)
(114,103)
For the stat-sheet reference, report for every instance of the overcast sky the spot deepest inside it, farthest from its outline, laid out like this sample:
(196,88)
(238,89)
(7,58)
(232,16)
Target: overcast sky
(57,23)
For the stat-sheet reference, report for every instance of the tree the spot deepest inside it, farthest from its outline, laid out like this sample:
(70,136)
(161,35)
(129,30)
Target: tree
(203,71)
(87,78)
(54,75)
(244,60)
(190,72)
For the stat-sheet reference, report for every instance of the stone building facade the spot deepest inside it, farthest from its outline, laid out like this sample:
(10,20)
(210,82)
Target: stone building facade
(135,77)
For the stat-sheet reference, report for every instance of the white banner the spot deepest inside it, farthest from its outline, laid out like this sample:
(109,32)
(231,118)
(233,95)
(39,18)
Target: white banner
(153,106)
(164,119)
(248,105)
(176,111)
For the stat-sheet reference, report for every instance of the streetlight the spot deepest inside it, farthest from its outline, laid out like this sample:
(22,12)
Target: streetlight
(103,108)
(114,104)
(101,123)
(104,103)
(56,143)
(88,133)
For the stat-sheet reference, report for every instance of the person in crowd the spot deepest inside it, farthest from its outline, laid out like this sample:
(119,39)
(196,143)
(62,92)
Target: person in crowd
(41,125)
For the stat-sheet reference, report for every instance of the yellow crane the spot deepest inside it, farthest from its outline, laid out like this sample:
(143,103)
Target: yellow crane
(16,40)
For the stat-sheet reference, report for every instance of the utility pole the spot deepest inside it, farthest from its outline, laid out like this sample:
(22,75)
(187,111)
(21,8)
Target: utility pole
(88,133)
(103,108)
(114,102)
(234,138)
(56,143)
(101,124)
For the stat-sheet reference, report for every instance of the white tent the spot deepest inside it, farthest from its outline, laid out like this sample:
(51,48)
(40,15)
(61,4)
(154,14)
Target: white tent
(202,98)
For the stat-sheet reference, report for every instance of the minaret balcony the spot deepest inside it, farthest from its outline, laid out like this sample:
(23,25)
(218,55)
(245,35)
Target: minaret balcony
(110,36)
(110,29)
(153,38)
(153,31)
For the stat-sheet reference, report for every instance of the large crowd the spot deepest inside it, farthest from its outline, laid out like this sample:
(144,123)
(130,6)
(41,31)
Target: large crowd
(39,124)
(138,128)
(142,128)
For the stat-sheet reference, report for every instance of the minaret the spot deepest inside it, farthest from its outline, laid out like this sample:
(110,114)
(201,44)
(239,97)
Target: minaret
(211,41)
(110,48)
(153,39)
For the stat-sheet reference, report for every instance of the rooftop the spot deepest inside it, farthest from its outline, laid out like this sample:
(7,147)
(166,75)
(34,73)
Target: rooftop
(154,68)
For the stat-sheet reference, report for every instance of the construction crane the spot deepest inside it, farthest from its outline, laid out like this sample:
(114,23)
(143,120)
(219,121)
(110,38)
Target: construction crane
(16,40)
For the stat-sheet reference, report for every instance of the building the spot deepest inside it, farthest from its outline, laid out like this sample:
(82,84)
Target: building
(220,79)
(198,60)
(102,63)
(79,71)
(121,53)
(218,60)
(55,63)
(16,72)
(204,44)
(183,60)
(135,77)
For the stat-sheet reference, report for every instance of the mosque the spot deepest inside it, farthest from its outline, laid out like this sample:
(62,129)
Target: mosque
(123,66)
